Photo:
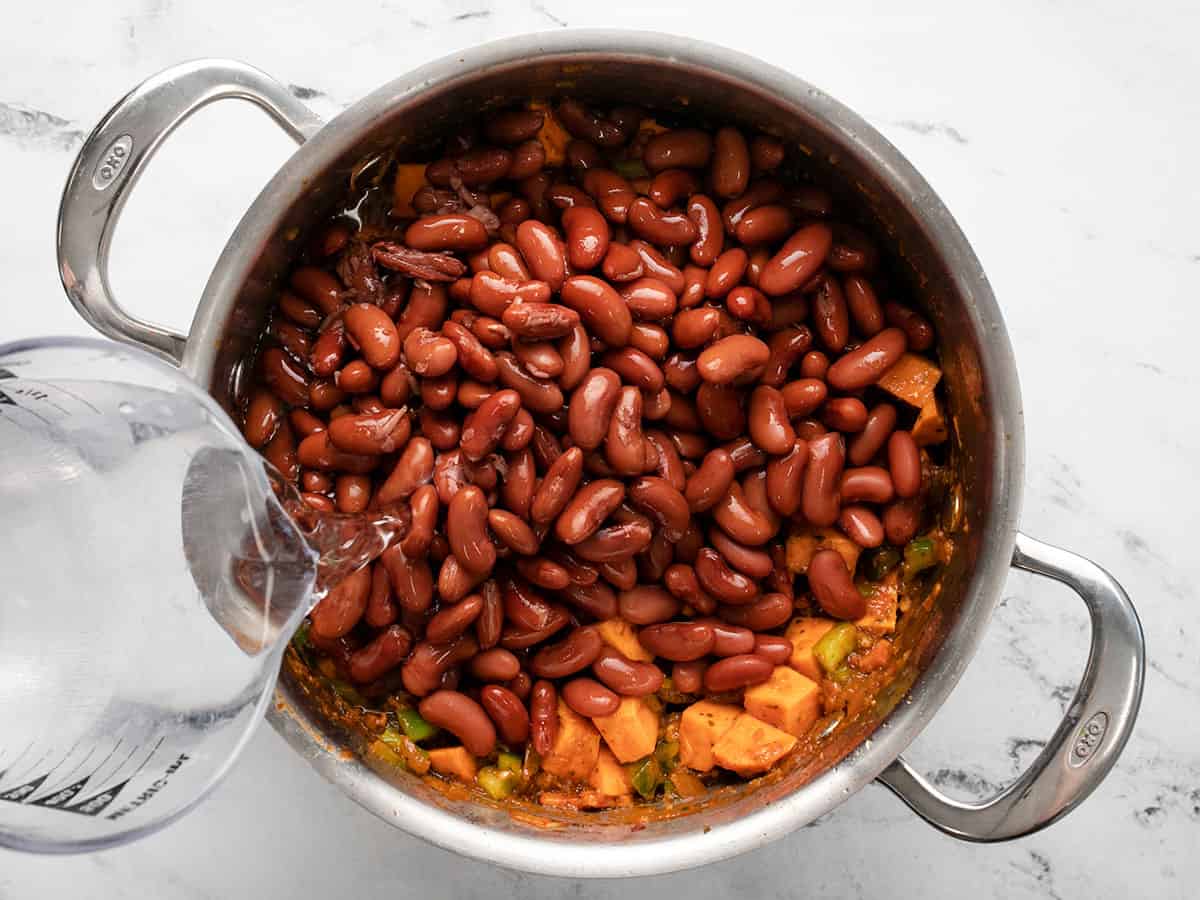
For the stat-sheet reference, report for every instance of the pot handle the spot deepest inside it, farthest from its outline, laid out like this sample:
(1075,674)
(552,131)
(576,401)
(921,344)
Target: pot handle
(1088,740)
(110,162)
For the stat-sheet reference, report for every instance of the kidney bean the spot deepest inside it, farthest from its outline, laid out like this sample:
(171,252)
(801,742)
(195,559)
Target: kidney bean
(871,484)
(612,193)
(284,377)
(591,407)
(317,452)
(688,677)
(513,532)
(776,650)
(660,226)
(356,378)
(709,239)
(622,574)
(847,414)
(718,579)
(543,573)
(658,266)
(373,333)
(453,621)
(263,415)
(739,520)
(650,339)
(340,609)
(384,652)
(462,717)
(682,148)
(475,359)
(428,354)
(815,364)
(582,155)
(864,366)
(450,231)
(318,502)
(304,422)
(466,529)
(622,264)
(505,260)
(765,224)
(786,347)
(587,235)
(797,261)
(624,446)
(766,153)
(353,493)
(831,317)
(539,245)
(543,716)
(670,186)
(901,520)
(294,339)
(615,542)
(833,587)
(537,395)
(678,641)
(881,421)
(916,327)
(747,560)
(496,664)
(412,469)
(760,193)
(863,304)
(732,357)
(381,609)
(558,486)
(602,309)
(280,452)
(680,579)
(506,710)
(299,311)
(589,697)
(441,428)
(696,327)
(767,612)
(528,158)
(513,126)
(520,483)
(573,654)
(663,503)
(727,270)
(904,463)
(491,617)
(785,478)
(861,525)
(626,677)
(424,507)
(538,358)
(731,163)
(318,287)
(669,466)
(819,499)
(852,250)
(769,425)
(371,433)
(720,410)
(587,509)
(734,672)
(412,580)
(316,482)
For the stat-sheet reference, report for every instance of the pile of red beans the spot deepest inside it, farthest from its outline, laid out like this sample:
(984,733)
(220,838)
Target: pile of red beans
(602,395)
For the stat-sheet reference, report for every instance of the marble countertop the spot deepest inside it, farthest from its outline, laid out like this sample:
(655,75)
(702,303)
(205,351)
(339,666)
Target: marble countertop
(1065,142)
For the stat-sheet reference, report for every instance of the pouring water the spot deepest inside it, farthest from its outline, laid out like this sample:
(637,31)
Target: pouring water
(153,570)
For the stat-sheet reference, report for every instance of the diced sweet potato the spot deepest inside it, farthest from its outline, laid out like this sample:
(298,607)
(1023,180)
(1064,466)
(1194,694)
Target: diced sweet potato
(804,634)
(455,762)
(554,138)
(610,777)
(632,731)
(802,544)
(880,617)
(751,746)
(702,725)
(930,427)
(410,178)
(912,379)
(576,748)
(788,700)
(619,634)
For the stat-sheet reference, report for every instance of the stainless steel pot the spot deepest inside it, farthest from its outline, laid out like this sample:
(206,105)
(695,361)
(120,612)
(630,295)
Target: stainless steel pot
(665,72)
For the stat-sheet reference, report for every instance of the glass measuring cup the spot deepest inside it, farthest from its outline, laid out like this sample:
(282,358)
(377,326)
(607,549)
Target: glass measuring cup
(150,575)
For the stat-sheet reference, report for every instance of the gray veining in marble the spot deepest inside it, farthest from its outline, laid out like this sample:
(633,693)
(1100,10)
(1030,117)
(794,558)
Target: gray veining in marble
(1064,138)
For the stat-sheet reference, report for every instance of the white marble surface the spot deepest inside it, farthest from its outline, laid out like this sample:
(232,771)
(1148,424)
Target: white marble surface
(1065,141)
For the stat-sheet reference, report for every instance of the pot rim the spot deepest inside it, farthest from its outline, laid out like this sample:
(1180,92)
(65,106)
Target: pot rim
(894,734)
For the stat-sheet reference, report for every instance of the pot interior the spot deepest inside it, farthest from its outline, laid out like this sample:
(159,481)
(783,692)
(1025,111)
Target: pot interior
(844,154)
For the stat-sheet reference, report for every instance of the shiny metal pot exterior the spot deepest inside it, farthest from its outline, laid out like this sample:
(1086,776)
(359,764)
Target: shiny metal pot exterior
(721,86)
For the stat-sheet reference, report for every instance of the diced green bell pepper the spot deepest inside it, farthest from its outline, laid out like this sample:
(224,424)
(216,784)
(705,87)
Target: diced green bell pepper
(499,783)
(837,643)
(647,776)
(414,725)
